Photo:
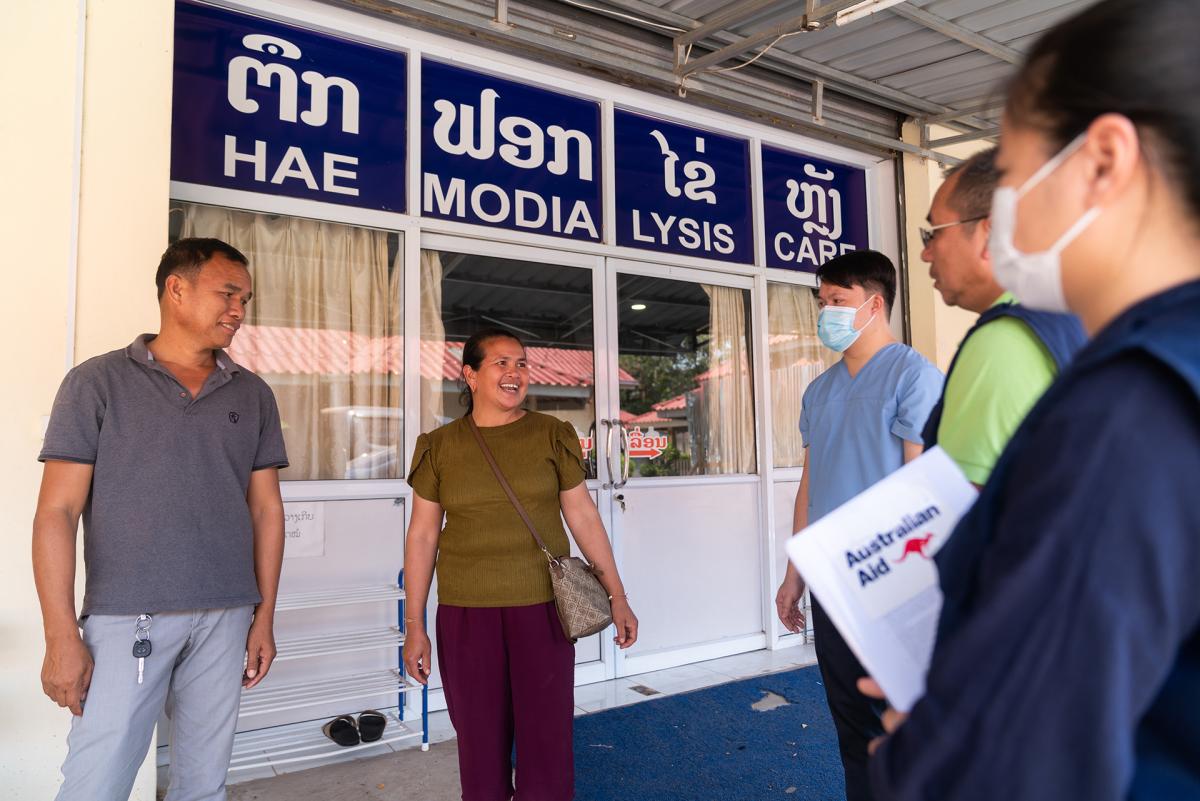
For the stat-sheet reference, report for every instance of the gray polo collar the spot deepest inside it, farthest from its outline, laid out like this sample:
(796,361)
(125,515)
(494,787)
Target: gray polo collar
(140,352)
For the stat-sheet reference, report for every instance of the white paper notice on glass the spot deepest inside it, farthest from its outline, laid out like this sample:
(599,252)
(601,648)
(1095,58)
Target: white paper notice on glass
(303,529)
(870,565)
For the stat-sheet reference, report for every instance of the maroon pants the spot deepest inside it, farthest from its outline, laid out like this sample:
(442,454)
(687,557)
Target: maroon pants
(508,673)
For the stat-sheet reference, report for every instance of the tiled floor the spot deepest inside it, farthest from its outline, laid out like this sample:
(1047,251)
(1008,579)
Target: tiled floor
(589,698)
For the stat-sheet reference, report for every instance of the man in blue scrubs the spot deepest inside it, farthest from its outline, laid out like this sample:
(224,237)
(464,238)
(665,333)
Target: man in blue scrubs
(860,420)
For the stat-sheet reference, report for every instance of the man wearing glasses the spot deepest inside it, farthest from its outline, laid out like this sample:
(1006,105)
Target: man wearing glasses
(1012,354)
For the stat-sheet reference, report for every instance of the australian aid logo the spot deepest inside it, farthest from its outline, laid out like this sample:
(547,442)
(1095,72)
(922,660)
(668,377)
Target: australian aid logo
(896,563)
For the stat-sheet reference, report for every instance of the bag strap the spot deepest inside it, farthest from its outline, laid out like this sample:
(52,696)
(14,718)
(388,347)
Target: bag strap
(508,490)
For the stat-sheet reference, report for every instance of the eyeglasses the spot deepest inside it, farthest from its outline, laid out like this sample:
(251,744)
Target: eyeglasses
(927,234)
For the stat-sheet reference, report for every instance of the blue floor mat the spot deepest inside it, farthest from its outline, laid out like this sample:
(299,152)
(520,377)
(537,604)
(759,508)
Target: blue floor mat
(710,745)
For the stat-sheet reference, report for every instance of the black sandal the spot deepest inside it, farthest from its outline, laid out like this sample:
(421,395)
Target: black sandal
(342,730)
(371,725)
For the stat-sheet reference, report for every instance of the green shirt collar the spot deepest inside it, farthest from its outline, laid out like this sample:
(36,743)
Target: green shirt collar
(1007,297)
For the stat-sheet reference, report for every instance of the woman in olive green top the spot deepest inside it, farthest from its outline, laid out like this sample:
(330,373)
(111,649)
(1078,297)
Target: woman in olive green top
(507,669)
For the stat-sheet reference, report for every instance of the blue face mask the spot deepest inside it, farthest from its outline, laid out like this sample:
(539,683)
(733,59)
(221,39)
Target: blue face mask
(835,326)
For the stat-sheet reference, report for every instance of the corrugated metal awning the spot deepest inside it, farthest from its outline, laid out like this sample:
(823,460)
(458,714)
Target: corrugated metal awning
(936,61)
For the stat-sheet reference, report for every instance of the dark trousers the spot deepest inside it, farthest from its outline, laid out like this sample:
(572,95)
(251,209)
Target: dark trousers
(856,717)
(509,674)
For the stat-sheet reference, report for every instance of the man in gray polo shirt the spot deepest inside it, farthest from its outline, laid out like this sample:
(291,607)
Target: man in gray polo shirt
(170,452)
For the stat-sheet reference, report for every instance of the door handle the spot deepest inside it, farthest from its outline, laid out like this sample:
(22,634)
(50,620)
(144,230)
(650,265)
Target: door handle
(608,449)
(625,453)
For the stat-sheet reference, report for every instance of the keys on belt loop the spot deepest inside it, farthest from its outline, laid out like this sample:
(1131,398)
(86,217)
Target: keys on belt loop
(141,642)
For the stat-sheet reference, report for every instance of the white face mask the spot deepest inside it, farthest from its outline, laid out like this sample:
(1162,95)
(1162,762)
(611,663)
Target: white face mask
(1035,278)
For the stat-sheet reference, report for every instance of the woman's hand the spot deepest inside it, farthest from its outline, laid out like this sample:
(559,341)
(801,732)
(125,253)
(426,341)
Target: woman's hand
(892,720)
(625,621)
(418,655)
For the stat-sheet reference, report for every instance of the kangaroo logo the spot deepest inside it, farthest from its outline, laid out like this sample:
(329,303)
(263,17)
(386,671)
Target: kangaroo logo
(916,545)
(234,417)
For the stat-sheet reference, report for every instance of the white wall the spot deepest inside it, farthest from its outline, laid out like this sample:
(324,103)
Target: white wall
(125,112)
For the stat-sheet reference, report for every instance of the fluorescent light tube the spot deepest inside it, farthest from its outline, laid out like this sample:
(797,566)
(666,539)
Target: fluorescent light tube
(865,9)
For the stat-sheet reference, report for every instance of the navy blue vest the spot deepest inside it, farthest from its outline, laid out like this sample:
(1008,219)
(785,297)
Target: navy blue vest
(1062,335)
(1166,328)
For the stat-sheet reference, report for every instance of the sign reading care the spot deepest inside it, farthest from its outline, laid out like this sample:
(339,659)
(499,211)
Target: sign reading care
(682,190)
(271,108)
(813,209)
(499,153)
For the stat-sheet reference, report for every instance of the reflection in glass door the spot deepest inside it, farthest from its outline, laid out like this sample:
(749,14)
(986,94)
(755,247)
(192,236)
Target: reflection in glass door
(548,306)
(690,408)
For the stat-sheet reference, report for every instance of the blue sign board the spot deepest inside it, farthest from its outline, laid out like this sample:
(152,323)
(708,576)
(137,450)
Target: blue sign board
(682,189)
(813,209)
(271,108)
(499,153)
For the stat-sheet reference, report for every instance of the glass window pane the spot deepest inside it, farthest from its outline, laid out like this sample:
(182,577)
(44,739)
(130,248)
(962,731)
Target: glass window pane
(547,305)
(797,357)
(689,408)
(324,330)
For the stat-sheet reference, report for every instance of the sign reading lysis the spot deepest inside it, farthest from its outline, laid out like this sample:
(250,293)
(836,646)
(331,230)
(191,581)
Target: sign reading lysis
(499,153)
(682,190)
(270,108)
(813,209)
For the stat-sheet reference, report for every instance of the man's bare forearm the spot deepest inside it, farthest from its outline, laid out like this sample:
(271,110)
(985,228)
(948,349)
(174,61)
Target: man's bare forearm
(268,562)
(54,571)
(266,516)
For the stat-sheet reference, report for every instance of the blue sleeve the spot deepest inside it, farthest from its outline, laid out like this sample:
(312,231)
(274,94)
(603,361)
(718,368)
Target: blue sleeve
(804,424)
(919,390)
(1080,609)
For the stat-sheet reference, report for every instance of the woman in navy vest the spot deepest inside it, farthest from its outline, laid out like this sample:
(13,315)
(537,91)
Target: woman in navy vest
(1068,658)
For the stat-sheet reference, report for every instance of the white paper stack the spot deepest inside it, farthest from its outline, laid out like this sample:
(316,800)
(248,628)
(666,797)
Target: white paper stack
(870,565)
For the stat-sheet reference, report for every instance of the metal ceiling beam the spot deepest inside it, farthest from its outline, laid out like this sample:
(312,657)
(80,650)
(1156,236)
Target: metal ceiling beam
(796,24)
(731,14)
(955,31)
(763,37)
(970,137)
(535,30)
(807,69)
(964,111)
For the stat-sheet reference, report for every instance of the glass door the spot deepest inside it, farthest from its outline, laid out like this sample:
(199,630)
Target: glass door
(684,494)
(547,298)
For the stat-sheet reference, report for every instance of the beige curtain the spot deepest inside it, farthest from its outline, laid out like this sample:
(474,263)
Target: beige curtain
(433,341)
(324,330)
(726,394)
(797,357)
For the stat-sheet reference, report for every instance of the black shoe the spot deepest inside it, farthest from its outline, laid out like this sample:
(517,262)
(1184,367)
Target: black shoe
(371,725)
(342,730)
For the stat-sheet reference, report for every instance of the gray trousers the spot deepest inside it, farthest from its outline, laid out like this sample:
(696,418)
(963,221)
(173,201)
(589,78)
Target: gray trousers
(194,673)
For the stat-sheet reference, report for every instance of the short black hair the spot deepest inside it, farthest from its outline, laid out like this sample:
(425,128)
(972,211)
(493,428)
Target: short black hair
(977,180)
(1136,58)
(869,269)
(185,257)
